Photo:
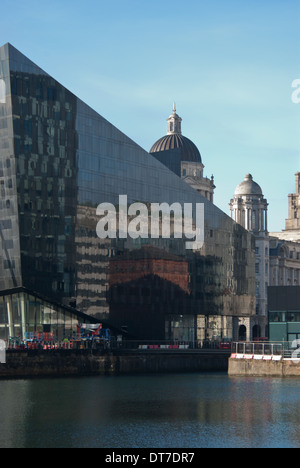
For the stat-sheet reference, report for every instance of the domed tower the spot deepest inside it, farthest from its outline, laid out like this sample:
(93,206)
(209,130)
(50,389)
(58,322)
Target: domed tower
(182,156)
(249,208)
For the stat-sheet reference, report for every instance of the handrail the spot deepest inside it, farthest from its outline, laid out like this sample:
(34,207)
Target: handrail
(264,348)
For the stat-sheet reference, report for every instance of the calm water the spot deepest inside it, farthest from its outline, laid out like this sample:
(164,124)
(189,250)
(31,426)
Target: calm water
(164,411)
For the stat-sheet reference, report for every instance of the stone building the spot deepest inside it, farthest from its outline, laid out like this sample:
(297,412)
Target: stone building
(292,223)
(277,253)
(249,208)
(284,295)
(284,261)
(182,156)
(285,245)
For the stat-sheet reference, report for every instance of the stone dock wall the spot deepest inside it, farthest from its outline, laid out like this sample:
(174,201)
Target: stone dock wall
(263,368)
(66,363)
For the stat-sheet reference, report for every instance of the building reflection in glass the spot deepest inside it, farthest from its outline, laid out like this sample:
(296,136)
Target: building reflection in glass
(59,160)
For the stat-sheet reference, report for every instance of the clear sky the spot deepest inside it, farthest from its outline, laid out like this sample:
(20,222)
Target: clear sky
(228,64)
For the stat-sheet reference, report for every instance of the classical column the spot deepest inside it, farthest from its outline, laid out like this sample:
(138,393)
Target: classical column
(247,219)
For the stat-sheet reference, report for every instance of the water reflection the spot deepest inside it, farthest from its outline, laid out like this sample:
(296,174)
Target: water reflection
(163,411)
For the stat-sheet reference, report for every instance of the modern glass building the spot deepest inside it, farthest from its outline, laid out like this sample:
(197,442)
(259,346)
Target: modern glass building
(284,313)
(24,312)
(59,159)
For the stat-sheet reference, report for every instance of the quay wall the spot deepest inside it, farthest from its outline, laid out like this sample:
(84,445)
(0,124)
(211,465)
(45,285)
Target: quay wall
(67,363)
(261,368)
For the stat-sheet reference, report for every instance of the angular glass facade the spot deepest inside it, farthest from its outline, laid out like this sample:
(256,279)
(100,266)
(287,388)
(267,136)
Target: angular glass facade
(23,312)
(59,160)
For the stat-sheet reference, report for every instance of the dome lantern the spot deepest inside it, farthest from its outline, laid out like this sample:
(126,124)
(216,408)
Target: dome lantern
(174,123)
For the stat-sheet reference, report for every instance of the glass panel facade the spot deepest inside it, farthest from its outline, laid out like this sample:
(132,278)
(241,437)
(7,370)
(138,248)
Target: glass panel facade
(284,313)
(22,313)
(60,160)
(284,316)
(10,265)
(181,328)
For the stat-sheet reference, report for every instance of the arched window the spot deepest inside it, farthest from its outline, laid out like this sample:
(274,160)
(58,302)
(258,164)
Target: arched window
(284,252)
(242,333)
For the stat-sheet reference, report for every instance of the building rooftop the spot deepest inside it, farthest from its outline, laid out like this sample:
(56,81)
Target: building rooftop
(175,140)
(248,187)
(189,151)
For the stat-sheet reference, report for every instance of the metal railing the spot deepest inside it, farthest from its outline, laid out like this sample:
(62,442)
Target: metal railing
(284,349)
(260,348)
(36,342)
(164,345)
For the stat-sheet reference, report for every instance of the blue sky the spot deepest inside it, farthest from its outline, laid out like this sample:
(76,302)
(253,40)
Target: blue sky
(228,65)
